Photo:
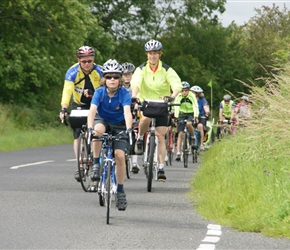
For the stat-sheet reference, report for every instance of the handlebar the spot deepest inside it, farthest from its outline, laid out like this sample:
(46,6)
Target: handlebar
(64,114)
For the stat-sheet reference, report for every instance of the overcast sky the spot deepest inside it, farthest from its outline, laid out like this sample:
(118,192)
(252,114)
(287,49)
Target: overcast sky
(242,10)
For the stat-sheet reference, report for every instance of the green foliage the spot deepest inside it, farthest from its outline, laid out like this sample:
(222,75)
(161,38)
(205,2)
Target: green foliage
(38,44)
(266,34)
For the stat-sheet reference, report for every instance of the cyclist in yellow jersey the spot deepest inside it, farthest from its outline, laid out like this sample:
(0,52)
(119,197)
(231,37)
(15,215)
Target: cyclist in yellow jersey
(80,82)
(153,80)
(226,111)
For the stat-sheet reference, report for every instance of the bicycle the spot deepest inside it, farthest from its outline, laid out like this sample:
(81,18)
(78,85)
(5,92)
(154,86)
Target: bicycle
(150,156)
(108,184)
(224,128)
(170,140)
(84,160)
(186,145)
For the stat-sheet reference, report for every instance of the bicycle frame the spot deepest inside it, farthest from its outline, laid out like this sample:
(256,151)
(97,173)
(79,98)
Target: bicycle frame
(146,153)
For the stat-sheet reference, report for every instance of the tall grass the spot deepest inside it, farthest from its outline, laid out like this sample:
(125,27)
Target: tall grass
(13,137)
(244,180)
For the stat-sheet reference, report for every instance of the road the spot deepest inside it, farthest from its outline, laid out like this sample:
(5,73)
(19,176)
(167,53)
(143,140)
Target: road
(43,207)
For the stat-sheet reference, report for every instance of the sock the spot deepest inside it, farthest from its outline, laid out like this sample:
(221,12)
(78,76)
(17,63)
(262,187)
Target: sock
(134,159)
(140,137)
(96,160)
(120,188)
(178,153)
(161,166)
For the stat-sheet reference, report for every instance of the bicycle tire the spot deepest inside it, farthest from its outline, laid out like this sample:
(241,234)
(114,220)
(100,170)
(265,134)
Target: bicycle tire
(108,191)
(128,166)
(84,163)
(185,150)
(150,162)
(194,155)
(102,199)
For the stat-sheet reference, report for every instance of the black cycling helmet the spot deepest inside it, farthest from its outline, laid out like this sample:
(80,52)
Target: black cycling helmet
(227,97)
(85,51)
(128,67)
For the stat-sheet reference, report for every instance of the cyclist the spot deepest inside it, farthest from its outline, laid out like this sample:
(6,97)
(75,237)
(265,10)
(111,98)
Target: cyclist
(203,108)
(128,69)
(188,110)
(243,107)
(81,80)
(110,111)
(152,80)
(226,111)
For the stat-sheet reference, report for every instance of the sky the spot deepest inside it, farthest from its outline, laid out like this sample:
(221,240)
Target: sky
(242,10)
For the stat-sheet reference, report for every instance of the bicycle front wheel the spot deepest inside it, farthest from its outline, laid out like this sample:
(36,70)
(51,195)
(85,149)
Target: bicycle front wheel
(128,166)
(84,163)
(185,150)
(150,162)
(108,190)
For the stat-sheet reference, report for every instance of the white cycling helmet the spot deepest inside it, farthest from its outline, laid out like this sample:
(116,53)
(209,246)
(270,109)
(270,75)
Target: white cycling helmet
(153,45)
(128,67)
(245,98)
(227,97)
(196,89)
(112,66)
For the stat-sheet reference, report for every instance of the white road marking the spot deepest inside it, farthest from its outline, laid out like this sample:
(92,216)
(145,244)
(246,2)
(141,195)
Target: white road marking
(212,236)
(71,160)
(206,247)
(30,164)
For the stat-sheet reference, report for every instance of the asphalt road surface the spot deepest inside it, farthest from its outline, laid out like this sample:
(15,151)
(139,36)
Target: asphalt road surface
(43,207)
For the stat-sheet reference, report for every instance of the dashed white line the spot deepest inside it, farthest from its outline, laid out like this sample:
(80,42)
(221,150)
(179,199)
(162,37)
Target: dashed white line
(212,236)
(71,160)
(30,164)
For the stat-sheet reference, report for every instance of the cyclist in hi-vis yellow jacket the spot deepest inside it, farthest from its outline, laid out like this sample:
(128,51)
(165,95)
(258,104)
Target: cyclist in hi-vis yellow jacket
(153,80)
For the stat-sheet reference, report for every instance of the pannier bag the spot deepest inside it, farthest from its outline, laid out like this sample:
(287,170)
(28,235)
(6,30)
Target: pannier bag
(155,108)
(78,117)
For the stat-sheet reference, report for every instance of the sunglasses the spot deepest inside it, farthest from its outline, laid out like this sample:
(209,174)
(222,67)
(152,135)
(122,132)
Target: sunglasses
(114,77)
(88,61)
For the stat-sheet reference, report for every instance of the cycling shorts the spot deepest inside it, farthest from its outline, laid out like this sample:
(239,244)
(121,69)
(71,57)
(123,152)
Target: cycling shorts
(181,118)
(115,129)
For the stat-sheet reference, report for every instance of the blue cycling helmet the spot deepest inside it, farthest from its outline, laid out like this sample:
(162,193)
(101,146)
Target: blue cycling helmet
(153,45)
(185,85)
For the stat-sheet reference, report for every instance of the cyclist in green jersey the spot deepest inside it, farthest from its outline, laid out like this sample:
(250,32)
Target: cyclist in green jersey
(226,111)
(153,80)
(188,110)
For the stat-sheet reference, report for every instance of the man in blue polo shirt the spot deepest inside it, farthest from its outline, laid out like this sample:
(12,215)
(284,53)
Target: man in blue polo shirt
(111,111)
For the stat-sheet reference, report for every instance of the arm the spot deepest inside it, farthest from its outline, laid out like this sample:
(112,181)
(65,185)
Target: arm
(128,116)
(91,115)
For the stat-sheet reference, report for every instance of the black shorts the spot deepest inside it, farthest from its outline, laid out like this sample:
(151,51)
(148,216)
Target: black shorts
(162,121)
(181,118)
(115,129)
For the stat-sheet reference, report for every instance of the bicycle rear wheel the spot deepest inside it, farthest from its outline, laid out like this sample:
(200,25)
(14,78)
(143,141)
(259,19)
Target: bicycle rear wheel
(150,162)
(185,150)
(108,190)
(84,163)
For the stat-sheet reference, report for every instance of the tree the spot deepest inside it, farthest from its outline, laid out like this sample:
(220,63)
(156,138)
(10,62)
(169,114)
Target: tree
(38,42)
(267,35)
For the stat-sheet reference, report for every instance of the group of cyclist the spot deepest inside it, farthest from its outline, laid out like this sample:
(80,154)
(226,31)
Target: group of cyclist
(233,113)
(110,91)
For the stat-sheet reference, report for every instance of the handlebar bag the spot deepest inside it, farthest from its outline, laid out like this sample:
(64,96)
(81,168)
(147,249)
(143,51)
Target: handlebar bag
(155,109)
(78,117)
